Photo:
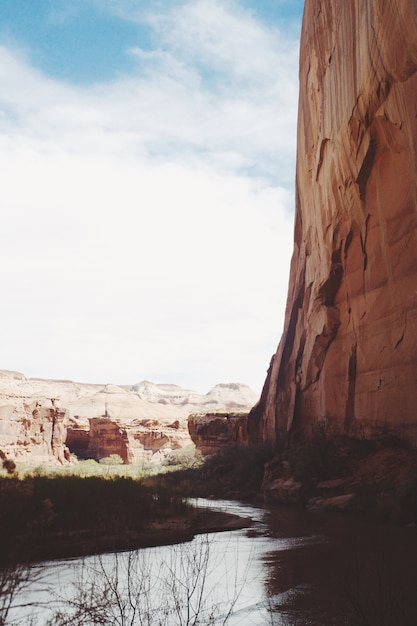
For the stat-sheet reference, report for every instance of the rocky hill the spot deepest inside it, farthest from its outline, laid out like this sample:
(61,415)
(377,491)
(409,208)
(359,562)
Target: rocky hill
(44,420)
(347,360)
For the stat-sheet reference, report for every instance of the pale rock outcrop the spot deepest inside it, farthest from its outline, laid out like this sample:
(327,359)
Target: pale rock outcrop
(233,396)
(35,429)
(347,360)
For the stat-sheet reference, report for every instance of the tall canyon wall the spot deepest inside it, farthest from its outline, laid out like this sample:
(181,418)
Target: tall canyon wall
(347,360)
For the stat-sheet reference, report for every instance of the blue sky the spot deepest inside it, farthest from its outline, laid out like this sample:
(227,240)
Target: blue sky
(148,160)
(86,41)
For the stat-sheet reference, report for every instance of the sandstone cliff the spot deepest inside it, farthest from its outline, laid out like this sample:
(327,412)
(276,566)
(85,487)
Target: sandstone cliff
(30,426)
(212,432)
(347,359)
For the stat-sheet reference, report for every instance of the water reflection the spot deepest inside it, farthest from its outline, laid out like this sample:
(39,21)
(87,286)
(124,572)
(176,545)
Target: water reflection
(352,572)
(292,568)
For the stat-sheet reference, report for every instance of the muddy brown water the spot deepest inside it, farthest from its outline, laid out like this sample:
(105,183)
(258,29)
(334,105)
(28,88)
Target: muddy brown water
(292,567)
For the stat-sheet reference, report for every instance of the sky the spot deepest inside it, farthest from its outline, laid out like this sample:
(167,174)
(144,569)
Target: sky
(147,159)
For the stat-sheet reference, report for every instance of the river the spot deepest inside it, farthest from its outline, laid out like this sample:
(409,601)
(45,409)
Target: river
(292,567)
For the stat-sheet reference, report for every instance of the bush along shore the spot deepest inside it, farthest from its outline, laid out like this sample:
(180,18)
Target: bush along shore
(44,517)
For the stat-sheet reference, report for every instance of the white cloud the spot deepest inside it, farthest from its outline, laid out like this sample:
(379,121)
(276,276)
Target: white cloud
(147,222)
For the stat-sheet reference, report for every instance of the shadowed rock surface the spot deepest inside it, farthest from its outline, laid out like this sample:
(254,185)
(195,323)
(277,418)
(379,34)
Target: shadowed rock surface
(347,359)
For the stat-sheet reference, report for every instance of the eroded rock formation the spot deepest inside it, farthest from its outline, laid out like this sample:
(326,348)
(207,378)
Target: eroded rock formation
(211,432)
(44,421)
(34,427)
(347,360)
(139,440)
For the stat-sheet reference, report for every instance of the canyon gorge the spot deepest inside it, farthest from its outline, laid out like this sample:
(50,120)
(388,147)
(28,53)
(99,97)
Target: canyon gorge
(346,363)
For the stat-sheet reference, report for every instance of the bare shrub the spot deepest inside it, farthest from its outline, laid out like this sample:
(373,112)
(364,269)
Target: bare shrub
(13,580)
(131,589)
(187,457)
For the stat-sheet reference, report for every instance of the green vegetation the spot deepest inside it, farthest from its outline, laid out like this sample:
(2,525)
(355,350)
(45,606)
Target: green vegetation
(89,467)
(113,459)
(110,467)
(44,516)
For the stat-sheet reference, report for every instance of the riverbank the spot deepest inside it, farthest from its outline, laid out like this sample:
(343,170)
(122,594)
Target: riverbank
(173,530)
(52,518)
(371,478)
(57,517)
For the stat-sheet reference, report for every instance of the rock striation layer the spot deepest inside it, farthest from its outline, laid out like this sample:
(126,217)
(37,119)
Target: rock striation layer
(347,359)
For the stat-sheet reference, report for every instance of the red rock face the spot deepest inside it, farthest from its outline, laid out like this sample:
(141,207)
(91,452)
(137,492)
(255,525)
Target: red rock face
(211,432)
(347,360)
(106,437)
